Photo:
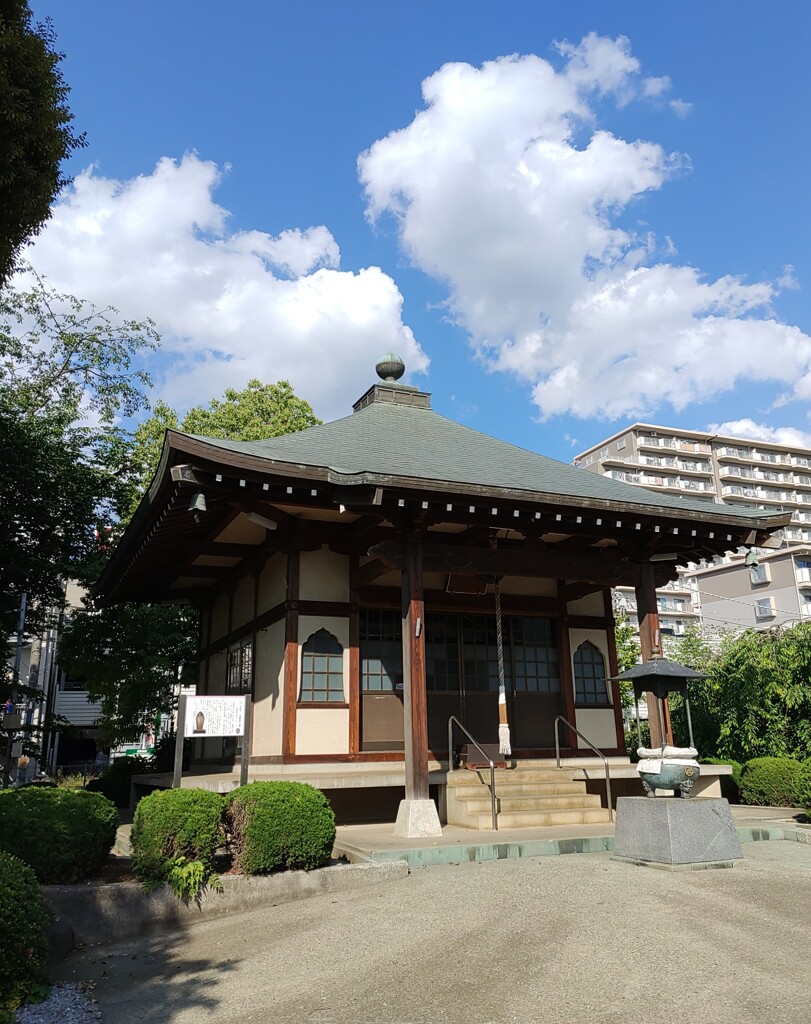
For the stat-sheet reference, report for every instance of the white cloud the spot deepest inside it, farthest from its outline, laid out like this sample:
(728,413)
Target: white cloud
(230,306)
(680,107)
(788,279)
(748,428)
(656,86)
(505,188)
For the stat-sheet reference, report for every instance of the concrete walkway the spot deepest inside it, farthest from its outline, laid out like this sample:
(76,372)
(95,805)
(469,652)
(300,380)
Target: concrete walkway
(377,843)
(535,941)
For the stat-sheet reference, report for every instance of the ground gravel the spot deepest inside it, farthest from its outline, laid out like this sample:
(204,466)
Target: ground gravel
(66,1004)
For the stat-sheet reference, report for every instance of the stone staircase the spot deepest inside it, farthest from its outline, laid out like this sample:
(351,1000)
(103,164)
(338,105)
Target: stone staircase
(526,797)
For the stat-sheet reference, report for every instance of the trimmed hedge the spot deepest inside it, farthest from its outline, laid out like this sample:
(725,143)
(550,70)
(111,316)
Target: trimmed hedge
(114,782)
(175,827)
(23,918)
(804,787)
(64,834)
(730,784)
(771,781)
(279,825)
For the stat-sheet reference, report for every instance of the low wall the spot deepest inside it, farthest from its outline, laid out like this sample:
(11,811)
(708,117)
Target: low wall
(106,913)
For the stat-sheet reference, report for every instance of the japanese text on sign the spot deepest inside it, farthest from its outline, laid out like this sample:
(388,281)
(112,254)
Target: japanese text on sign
(215,716)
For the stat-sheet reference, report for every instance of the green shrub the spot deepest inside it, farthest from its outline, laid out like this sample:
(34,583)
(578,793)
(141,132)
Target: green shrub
(804,787)
(23,946)
(175,833)
(64,834)
(114,782)
(279,825)
(771,781)
(730,784)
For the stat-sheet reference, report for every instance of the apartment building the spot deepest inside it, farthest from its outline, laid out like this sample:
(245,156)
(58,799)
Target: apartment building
(728,470)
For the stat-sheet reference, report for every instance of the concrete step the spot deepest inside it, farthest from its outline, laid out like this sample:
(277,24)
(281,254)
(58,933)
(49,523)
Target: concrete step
(521,789)
(528,803)
(537,819)
(462,776)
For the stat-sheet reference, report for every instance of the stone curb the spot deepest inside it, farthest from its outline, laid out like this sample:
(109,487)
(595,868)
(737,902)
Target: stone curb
(106,913)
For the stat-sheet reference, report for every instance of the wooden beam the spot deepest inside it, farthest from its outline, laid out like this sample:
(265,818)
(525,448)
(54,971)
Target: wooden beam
(414,696)
(291,655)
(596,568)
(354,662)
(566,674)
(650,642)
(368,573)
(613,669)
(440,601)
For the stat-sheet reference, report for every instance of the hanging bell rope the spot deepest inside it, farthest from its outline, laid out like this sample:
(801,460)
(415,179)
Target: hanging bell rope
(503,725)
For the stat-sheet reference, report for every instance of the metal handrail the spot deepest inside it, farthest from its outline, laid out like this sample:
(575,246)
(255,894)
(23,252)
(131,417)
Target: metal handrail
(599,753)
(489,760)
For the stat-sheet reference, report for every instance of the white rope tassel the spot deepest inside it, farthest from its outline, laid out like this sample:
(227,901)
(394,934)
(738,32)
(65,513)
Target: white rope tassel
(503,727)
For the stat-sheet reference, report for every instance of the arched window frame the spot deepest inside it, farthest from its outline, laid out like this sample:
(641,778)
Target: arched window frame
(321,679)
(590,677)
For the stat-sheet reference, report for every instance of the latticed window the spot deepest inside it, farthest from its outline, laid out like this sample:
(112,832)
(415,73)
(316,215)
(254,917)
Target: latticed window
(322,669)
(381,650)
(535,655)
(589,675)
(240,667)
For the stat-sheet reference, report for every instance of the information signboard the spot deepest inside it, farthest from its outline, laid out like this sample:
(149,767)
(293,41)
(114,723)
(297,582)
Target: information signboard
(214,716)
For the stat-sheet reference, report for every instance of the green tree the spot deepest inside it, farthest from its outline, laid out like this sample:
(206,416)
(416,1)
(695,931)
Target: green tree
(132,656)
(36,134)
(61,359)
(628,653)
(760,688)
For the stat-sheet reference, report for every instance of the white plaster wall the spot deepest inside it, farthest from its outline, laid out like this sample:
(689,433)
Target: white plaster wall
(216,672)
(273,582)
(324,576)
(599,725)
(268,707)
(243,602)
(219,617)
(591,604)
(322,731)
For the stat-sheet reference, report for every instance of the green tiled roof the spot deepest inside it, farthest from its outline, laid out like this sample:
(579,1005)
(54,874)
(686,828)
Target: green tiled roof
(393,440)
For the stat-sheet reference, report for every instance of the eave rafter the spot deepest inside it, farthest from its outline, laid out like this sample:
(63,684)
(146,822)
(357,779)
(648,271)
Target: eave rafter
(602,543)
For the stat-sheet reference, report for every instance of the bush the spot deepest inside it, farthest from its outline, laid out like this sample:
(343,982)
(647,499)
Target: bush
(114,782)
(175,833)
(771,781)
(279,825)
(23,946)
(730,784)
(64,834)
(804,787)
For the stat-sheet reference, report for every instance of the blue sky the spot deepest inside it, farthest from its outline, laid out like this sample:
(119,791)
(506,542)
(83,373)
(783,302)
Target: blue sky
(611,229)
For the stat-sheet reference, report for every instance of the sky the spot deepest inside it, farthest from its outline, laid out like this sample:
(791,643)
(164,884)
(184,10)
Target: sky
(565,217)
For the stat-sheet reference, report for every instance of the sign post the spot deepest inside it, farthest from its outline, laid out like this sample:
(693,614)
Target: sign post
(206,717)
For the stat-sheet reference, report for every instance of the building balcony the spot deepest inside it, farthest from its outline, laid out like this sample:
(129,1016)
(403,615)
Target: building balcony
(775,458)
(76,707)
(734,453)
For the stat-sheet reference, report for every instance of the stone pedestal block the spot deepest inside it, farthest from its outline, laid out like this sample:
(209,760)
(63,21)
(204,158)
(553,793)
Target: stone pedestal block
(417,818)
(676,834)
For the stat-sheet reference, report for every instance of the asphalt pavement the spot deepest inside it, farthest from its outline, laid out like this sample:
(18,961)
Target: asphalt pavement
(577,938)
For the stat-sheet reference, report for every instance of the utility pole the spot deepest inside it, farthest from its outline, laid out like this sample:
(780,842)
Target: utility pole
(15,682)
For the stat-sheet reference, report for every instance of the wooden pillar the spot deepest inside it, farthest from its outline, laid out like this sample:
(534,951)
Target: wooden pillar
(414,695)
(650,642)
(613,667)
(354,663)
(291,655)
(566,672)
